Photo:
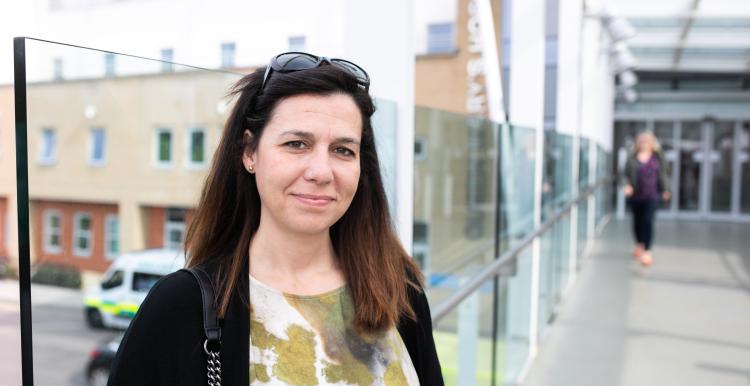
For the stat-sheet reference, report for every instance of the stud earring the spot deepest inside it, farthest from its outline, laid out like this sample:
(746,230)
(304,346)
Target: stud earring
(250,169)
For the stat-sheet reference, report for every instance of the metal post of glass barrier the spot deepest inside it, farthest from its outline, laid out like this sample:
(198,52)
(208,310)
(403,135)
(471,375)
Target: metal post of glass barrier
(22,197)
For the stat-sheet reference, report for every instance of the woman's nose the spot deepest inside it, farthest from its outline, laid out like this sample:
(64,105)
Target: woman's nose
(319,167)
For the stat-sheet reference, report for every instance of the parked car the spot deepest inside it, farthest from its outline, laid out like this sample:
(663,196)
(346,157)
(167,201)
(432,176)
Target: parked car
(100,361)
(114,302)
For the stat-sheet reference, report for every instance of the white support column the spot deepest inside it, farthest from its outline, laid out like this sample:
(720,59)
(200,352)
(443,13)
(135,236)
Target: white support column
(391,68)
(527,110)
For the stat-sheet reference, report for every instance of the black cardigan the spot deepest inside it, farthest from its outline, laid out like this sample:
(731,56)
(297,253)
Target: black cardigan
(164,343)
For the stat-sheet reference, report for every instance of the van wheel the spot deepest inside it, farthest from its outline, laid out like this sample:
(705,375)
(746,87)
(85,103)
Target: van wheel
(94,318)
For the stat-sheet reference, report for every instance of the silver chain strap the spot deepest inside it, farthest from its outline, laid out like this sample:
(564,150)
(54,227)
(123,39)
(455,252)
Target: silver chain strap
(213,367)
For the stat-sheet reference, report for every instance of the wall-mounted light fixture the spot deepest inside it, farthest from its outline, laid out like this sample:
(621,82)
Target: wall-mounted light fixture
(619,30)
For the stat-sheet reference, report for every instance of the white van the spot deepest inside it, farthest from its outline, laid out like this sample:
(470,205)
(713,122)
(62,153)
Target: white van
(114,302)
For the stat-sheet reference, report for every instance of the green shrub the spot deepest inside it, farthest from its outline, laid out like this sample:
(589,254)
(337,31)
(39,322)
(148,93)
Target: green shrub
(57,275)
(6,269)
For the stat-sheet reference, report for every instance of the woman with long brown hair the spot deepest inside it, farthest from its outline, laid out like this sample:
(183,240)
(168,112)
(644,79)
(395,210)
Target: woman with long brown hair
(312,284)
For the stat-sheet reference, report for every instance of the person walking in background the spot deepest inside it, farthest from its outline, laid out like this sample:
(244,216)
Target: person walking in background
(646,182)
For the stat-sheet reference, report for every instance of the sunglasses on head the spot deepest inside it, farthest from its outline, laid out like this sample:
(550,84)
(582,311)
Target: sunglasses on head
(298,61)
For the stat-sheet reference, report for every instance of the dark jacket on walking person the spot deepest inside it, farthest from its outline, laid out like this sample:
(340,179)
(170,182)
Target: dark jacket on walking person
(633,168)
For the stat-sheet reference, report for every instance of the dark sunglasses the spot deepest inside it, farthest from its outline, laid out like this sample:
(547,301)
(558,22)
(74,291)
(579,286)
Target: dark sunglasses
(298,61)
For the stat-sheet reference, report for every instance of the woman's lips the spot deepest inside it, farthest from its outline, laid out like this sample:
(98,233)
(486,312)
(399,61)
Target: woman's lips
(311,200)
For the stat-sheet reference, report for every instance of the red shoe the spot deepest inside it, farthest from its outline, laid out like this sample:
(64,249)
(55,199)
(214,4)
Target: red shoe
(638,252)
(646,259)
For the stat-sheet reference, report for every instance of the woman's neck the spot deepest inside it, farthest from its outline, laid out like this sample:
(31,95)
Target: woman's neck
(290,254)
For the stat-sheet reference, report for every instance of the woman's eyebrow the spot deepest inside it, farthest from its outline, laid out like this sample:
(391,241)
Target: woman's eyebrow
(298,133)
(310,136)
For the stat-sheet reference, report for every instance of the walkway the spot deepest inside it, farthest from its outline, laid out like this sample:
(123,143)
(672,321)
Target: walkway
(684,321)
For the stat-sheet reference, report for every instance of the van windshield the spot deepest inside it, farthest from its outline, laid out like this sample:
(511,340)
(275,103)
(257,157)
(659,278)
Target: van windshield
(115,280)
(142,282)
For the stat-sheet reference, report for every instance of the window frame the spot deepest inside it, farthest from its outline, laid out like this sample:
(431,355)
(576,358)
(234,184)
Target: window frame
(159,164)
(431,48)
(46,223)
(58,68)
(77,232)
(52,158)
(110,64)
(189,148)
(92,146)
(167,59)
(228,61)
(174,225)
(296,46)
(108,253)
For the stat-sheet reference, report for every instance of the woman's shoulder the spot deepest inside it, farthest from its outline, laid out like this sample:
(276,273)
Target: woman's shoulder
(172,293)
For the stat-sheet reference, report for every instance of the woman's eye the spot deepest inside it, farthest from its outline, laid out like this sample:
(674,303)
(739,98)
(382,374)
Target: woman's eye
(295,144)
(344,151)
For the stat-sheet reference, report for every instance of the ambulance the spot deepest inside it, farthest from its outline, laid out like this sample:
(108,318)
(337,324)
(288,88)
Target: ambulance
(114,302)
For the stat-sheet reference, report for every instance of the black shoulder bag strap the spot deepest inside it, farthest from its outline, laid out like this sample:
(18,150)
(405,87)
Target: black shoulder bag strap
(212,344)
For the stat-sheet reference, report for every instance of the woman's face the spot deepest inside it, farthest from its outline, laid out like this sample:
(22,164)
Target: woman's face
(307,162)
(644,143)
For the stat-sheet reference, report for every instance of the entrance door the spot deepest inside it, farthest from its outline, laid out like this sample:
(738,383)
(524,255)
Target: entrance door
(709,163)
(691,149)
(712,162)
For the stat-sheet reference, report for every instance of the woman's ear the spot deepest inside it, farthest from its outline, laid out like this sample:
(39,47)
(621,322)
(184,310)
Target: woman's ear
(248,158)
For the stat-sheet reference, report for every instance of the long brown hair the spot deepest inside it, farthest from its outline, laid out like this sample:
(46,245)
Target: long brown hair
(377,269)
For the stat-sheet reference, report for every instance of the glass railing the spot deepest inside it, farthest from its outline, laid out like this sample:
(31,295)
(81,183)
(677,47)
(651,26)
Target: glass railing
(487,326)
(117,148)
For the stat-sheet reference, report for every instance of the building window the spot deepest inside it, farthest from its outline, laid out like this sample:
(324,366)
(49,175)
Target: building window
(48,147)
(163,146)
(57,69)
(167,57)
(82,234)
(296,43)
(97,147)
(109,64)
(52,242)
(227,54)
(174,228)
(440,38)
(197,147)
(112,236)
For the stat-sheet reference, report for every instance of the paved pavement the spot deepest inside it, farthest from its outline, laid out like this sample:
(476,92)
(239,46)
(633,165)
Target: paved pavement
(684,321)
(62,341)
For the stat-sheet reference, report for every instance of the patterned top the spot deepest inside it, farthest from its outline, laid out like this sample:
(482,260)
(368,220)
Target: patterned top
(308,340)
(647,188)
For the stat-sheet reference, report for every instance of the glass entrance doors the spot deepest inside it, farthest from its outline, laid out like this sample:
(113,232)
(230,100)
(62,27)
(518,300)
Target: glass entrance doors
(708,162)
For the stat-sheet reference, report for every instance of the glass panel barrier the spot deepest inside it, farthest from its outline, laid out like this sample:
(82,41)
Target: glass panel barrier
(464,340)
(117,153)
(513,320)
(454,194)
(118,149)
(455,181)
(583,165)
(518,151)
(583,222)
(555,251)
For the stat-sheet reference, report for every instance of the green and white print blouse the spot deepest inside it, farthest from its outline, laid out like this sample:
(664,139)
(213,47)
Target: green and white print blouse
(309,340)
